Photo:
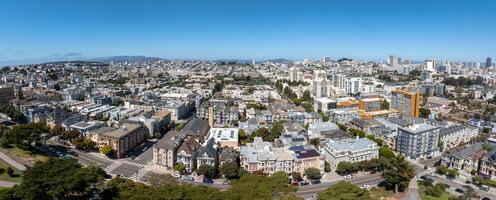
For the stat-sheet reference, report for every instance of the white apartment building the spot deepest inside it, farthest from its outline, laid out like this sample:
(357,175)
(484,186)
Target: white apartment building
(357,150)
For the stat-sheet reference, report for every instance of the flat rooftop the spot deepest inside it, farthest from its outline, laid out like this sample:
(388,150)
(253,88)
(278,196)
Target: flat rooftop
(418,128)
(120,132)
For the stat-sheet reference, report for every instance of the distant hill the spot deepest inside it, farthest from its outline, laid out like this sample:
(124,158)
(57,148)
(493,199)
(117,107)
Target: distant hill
(126,59)
(279,60)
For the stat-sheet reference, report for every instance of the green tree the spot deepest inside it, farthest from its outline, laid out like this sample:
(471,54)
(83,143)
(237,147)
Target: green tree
(397,173)
(486,130)
(84,144)
(315,142)
(344,168)
(469,194)
(307,96)
(384,105)
(57,130)
(229,169)
(424,112)
(260,187)
(441,169)
(10,171)
(344,191)
(297,176)
(385,152)
(312,173)
(452,173)
(205,170)
(325,118)
(327,166)
(56,179)
(107,150)
(179,167)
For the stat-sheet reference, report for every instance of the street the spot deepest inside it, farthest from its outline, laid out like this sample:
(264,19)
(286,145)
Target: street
(310,191)
(454,185)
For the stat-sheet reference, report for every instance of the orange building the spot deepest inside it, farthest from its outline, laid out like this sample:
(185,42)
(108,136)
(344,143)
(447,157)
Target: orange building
(406,102)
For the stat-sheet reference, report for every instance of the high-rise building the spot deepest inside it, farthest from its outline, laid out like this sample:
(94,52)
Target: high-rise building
(353,85)
(406,102)
(488,62)
(430,65)
(327,59)
(338,80)
(295,74)
(320,84)
(393,61)
(418,141)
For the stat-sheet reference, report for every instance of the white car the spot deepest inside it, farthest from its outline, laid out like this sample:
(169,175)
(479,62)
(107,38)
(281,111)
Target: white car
(348,176)
(366,187)
(176,175)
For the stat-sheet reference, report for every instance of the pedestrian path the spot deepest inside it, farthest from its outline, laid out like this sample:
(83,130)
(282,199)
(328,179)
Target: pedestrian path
(111,167)
(134,163)
(12,162)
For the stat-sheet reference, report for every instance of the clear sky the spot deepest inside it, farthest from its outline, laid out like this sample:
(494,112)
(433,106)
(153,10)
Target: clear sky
(42,30)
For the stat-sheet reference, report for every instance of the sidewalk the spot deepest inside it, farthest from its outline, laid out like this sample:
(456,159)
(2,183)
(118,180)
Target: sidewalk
(12,162)
(7,184)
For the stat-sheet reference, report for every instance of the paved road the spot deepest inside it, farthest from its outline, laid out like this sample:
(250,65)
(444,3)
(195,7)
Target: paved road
(310,191)
(12,162)
(413,191)
(453,185)
(7,184)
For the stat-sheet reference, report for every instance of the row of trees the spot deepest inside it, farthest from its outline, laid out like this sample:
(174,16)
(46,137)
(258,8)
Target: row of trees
(24,136)
(66,179)
(449,172)
(265,133)
(396,171)
(14,113)
(463,81)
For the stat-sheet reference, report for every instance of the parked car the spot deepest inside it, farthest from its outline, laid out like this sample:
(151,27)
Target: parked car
(187,178)
(207,180)
(459,190)
(303,183)
(316,181)
(176,175)
(486,198)
(349,176)
(366,187)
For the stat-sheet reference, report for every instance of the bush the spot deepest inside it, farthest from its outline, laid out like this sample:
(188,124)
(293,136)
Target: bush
(312,173)
(10,171)
(441,169)
(107,150)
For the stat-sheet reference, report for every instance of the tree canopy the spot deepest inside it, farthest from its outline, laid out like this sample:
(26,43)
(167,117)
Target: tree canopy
(344,191)
(56,179)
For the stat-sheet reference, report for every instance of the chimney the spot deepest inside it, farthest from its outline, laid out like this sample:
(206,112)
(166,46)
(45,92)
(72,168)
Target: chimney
(211,116)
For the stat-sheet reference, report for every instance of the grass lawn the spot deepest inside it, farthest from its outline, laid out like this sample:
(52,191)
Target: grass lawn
(378,192)
(444,196)
(17,176)
(32,157)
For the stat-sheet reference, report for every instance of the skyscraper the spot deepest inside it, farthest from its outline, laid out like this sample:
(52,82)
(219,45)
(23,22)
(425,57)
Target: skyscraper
(430,65)
(406,102)
(393,61)
(295,74)
(320,84)
(488,62)
(327,59)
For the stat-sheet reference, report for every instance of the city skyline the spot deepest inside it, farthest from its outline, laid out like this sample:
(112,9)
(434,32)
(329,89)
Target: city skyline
(414,30)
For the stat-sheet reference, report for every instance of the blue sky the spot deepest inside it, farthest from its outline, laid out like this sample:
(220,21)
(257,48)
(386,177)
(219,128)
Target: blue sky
(35,30)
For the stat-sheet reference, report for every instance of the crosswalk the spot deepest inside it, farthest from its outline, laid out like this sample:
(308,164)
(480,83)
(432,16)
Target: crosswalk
(111,167)
(134,164)
(141,173)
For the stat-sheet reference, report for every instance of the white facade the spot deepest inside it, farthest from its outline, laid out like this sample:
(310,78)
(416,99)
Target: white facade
(357,150)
